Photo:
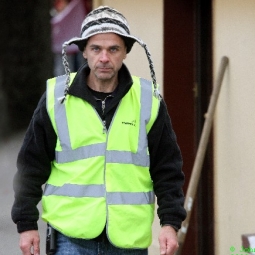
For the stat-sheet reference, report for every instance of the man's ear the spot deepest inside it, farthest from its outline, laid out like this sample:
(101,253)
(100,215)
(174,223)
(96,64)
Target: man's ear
(125,56)
(84,54)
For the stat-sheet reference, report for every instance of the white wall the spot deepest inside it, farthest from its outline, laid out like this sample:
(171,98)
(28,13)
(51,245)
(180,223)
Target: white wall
(234,131)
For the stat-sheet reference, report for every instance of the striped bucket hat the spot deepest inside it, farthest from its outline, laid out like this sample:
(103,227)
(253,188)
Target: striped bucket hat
(106,20)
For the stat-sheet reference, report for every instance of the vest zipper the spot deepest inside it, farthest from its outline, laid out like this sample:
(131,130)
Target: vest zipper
(104,127)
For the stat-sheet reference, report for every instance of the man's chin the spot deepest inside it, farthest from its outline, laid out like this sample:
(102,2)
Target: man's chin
(105,77)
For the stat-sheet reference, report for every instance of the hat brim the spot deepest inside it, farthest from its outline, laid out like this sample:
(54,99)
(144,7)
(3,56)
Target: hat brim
(81,42)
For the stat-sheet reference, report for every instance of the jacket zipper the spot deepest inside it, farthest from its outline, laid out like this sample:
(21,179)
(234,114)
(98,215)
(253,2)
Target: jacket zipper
(103,109)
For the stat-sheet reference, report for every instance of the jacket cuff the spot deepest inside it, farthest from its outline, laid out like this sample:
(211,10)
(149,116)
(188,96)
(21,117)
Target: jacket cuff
(167,220)
(174,227)
(23,226)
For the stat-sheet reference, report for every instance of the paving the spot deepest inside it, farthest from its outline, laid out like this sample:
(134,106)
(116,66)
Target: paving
(9,238)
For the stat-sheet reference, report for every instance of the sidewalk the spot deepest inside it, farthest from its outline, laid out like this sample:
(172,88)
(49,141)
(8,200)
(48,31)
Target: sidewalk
(9,238)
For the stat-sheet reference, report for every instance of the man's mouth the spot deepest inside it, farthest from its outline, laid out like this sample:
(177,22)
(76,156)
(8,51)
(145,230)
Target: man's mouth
(104,68)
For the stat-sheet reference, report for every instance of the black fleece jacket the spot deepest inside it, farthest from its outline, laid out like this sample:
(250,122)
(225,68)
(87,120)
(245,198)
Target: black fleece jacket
(38,151)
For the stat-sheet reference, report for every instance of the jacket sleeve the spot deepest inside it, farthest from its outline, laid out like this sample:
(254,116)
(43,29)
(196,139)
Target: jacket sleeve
(166,170)
(33,168)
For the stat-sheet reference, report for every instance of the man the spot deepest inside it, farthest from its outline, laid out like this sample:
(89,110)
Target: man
(103,143)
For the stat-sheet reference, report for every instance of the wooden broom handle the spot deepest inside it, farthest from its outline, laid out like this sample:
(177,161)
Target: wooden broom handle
(196,171)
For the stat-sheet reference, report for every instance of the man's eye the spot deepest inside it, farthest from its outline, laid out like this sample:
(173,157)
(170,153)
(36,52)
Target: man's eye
(114,49)
(96,49)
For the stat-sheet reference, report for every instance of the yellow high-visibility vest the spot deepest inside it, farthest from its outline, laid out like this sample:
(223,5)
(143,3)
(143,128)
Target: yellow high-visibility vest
(101,178)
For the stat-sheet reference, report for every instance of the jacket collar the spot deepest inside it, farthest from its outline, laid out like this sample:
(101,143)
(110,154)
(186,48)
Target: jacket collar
(79,87)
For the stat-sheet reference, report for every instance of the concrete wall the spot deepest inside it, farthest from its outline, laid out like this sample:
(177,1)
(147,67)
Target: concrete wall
(145,18)
(234,130)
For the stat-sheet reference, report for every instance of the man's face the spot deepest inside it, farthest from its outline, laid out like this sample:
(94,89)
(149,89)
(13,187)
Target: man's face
(105,54)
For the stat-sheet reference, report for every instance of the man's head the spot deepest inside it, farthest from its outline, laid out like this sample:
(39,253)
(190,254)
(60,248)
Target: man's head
(104,20)
(100,21)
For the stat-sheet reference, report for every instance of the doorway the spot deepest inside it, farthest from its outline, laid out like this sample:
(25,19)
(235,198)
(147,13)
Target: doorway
(187,88)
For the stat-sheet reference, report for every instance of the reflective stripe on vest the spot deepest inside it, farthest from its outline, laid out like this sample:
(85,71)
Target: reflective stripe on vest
(113,198)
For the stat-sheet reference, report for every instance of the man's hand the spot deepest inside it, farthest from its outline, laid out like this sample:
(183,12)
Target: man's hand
(30,242)
(168,241)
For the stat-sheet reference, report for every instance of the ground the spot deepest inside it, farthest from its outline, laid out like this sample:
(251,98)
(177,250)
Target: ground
(9,238)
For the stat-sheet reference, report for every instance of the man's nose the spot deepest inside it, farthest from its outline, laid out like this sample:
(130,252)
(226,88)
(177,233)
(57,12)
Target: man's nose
(104,56)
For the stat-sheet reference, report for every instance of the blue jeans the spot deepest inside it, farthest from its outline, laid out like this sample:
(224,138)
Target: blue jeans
(73,246)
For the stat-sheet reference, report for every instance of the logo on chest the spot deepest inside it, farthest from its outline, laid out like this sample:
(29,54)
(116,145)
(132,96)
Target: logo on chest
(132,123)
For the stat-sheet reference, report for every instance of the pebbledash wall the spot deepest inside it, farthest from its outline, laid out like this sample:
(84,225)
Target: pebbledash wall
(234,129)
(145,18)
